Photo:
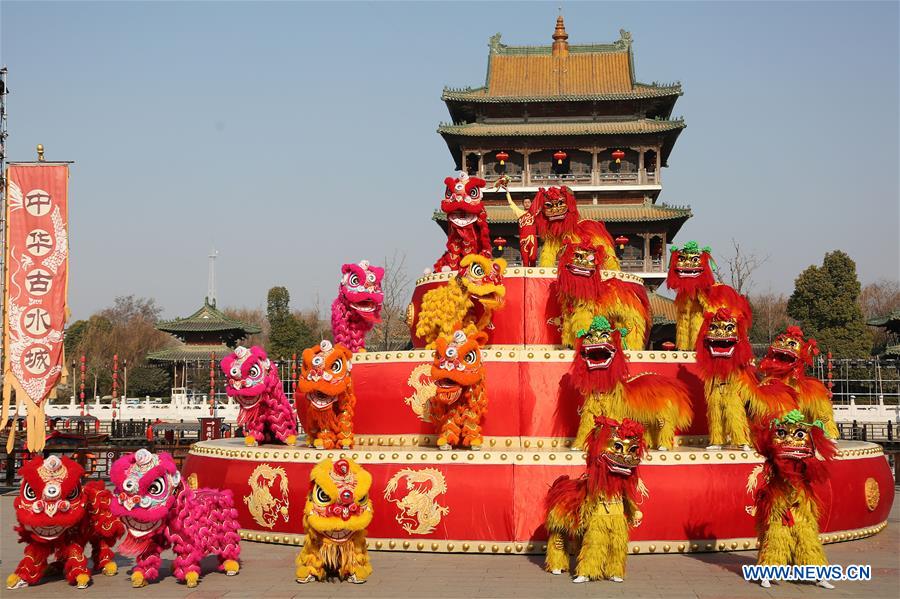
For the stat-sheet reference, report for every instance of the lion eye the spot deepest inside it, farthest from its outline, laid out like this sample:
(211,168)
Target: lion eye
(74,492)
(28,493)
(157,487)
(322,496)
(618,446)
(473,193)
(800,434)
(477,271)
(354,280)
(338,365)
(255,371)
(470,357)
(448,193)
(781,432)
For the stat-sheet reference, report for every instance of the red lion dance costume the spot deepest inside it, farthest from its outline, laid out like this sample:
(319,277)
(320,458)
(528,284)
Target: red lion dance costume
(467,227)
(598,508)
(460,400)
(160,511)
(586,287)
(357,307)
(56,514)
(253,382)
(787,503)
(555,216)
(724,361)
(786,361)
(691,277)
(600,373)
(327,413)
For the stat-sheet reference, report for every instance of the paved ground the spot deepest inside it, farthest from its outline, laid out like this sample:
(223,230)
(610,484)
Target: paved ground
(267,571)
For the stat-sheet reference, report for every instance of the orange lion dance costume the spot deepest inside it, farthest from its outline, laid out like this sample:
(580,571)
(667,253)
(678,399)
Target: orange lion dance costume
(460,400)
(598,508)
(787,502)
(724,360)
(587,285)
(786,361)
(691,277)
(555,216)
(56,514)
(325,381)
(335,518)
(600,373)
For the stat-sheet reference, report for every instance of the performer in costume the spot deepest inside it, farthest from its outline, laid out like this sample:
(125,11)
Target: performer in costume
(724,361)
(586,286)
(786,361)
(555,215)
(266,415)
(691,277)
(527,231)
(469,299)
(335,518)
(326,410)
(57,514)
(467,227)
(357,308)
(788,503)
(460,400)
(598,507)
(600,373)
(160,511)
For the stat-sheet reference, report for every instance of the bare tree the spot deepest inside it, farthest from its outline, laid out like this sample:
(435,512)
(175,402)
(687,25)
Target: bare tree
(393,332)
(770,316)
(254,316)
(741,265)
(880,299)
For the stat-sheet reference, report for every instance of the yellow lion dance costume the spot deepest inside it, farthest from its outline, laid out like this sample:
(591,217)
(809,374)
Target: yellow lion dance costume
(597,508)
(470,298)
(335,518)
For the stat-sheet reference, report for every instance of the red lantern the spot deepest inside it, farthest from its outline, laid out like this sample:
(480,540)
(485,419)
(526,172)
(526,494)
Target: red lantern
(500,242)
(560,155)
(618,155)
(668,346)
(502,156)
(621,240)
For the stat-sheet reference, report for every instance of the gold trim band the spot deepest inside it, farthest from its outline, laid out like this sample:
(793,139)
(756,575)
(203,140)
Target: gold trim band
(525,353)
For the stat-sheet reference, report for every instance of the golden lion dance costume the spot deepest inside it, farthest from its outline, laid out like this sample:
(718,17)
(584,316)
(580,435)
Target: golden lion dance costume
(600,373)
(460,400)
(335,518)
(786,361)
(326,410)
(691,277)
(724,361)
(469,298)
(598,507)
(787,505)
(555,216)
(585,288)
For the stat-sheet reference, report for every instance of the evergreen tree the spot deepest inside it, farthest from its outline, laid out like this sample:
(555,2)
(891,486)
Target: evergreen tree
(826,304)
(287,334)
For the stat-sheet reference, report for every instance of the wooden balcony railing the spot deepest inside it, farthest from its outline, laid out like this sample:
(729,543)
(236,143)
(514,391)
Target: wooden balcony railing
(577,178)
(642,264)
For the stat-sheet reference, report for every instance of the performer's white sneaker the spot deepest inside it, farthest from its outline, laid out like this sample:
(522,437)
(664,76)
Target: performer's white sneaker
(574,449)
(824,584)
(556,572)
(616,579)
(662,448)
(444,447)
(21,584)
(580,579)
(355,580)
(714,447)
(309,578)
(764,583)
(746,448)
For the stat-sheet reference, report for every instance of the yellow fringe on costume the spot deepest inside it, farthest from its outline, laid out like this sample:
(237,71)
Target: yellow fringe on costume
(799,544)
(621,309)
(321,555)
(725,400)
(688,320)
(576,316)
(549,253)
(815,401)
(602,525)
(443,308)
(661,405)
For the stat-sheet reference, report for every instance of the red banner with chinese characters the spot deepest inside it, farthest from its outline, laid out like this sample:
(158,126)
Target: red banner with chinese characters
(37,262)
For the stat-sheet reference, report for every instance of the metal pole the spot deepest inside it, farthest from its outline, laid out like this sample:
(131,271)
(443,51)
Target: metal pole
(3,135)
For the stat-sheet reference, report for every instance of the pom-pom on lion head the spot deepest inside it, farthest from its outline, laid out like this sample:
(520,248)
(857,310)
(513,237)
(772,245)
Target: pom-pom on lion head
(457,365)
(50,500)
(145,487)
(789,354)
(325,374)
(361,290)
(338,503)
(690,268)
(482,279)
(795,447)
(248,374)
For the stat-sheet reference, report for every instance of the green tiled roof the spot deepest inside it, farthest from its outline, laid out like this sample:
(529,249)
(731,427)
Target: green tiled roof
(206,319)
(189,352)
(612,213)
(562,129)
(892,320)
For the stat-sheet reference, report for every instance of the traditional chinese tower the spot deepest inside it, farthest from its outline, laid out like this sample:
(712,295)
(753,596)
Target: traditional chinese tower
(208,331)
(572,115)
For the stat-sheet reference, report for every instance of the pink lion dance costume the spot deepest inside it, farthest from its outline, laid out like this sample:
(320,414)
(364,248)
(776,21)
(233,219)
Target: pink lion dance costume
(56,514)
(467,226)
(159,511)
(253,382)
(357,307)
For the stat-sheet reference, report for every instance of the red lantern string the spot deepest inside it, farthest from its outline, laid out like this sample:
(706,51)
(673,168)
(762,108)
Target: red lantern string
(83,359)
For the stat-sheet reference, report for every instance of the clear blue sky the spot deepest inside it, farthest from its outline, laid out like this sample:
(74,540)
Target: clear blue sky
(297,136)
